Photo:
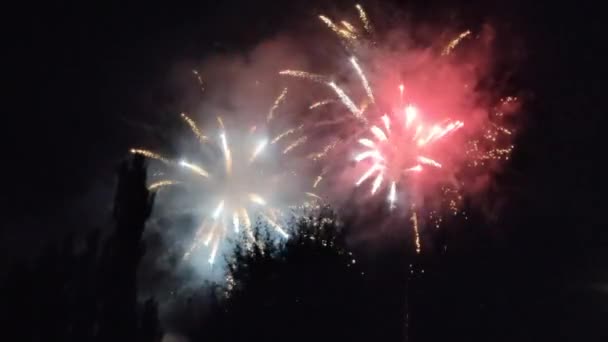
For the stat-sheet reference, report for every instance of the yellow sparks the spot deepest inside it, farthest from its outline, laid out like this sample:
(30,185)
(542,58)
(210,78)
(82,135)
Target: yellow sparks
(195,168)
(194,128)
(349,27)
(199,79)
(342,33)
(323,153)
(227,153)
(303,74)
(295,144)
(321,103)
(347,101)
(502,129)
(261,145)
(364,81)
(454,42)
(286,133)
(414,220)
(276,226)
(276,105)
(313,195)
(363,16)
(162,183)
(257,199)
(149,154)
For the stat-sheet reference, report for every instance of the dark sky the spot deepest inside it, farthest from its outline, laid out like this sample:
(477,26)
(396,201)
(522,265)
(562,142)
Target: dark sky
(79,74)
(80,77)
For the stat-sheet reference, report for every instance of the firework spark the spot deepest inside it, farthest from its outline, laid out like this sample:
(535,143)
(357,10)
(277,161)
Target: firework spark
(364,81)
(386,146)
(321,103)
(150,154)
(276,105)
(363,16)
(162,183)
(304,74)
(454,42)
(414,220)
(347,101)
(236,181)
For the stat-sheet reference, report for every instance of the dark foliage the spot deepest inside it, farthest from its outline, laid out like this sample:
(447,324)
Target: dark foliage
(309,288)
(87,294)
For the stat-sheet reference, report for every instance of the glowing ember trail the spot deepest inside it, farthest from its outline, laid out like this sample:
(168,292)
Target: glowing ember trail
(414,219)
(364,81)
(162,183)
(347,101)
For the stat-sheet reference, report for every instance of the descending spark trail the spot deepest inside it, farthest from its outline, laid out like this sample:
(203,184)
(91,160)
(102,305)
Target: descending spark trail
(286,133)
(276,105)
(349,27)
(363,16)
(261,145)
(303,74)
(347,101)
(195,168)
(344,33)
(364,81)
(150,155)
(295,144)
(414,219)
(162,183)
(199,79)
(452,45)
(194,128)
(321,103)
(238,183)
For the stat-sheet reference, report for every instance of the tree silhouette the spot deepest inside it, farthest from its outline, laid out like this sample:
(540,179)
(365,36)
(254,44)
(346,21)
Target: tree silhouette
(308,288)
(71,294)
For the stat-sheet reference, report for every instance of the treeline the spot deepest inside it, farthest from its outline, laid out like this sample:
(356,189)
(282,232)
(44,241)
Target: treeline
(311,288)
(87,293)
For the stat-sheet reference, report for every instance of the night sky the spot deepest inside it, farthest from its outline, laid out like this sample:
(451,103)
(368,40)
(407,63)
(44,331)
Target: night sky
(85,80)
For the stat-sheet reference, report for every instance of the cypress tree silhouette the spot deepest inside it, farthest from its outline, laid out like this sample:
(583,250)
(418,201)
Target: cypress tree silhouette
(132,207)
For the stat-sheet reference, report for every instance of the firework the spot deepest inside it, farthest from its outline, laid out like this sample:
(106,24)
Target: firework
(397,140)
(399,147)
(238,182)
